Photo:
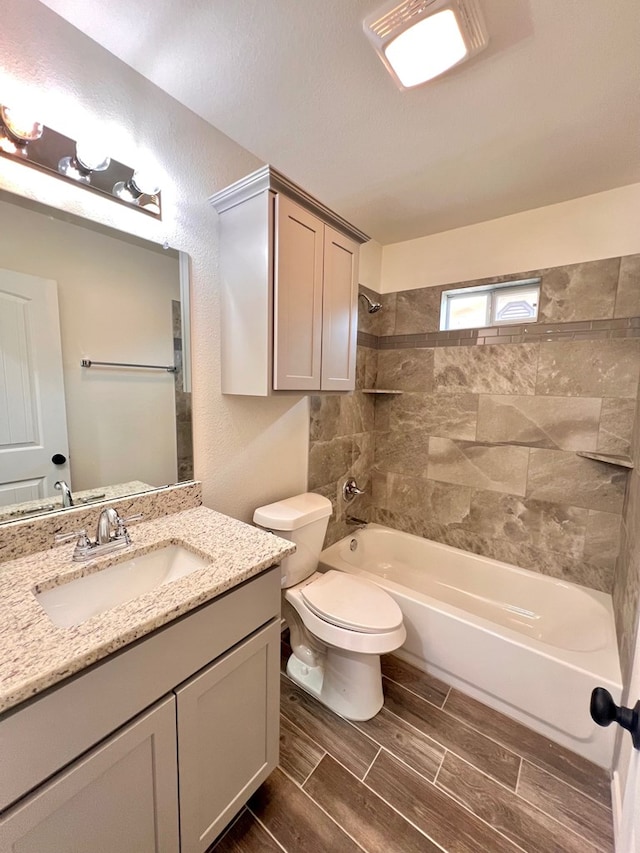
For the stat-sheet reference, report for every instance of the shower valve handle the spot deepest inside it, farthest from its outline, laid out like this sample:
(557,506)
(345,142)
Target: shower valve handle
(350,490)
(604,711)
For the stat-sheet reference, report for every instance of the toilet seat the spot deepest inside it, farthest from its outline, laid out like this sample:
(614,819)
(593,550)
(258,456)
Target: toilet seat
(351,602)
(373,641)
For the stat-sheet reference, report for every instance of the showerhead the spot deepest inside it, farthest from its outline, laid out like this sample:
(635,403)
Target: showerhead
(372,306)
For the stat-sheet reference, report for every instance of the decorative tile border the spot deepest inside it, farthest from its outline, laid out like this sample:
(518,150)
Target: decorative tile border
(365,339)
(589,330)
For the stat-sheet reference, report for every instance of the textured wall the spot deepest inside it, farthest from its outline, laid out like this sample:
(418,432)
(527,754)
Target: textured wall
(602,225)
(478,451)
(247,451)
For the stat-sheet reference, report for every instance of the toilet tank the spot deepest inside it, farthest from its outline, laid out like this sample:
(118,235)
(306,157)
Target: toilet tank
(303,520)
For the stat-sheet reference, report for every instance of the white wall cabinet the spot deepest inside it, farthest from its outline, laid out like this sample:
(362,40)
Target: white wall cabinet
(171,778)
(289,269)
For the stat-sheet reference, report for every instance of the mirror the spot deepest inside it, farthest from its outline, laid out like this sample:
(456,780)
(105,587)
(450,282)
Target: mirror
(74,291)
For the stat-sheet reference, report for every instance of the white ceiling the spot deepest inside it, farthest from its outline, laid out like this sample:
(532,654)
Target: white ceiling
(548,112)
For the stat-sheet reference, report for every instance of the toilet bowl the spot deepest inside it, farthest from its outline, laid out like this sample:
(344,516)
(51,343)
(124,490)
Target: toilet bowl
(339,624)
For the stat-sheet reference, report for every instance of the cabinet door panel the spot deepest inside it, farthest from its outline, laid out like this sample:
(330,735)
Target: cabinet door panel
(120,797)
(339,312)
(227,736)
(298,298)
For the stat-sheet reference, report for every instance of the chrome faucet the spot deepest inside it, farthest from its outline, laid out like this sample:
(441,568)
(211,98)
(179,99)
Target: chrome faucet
(111,535)
(108,522)
(67,497)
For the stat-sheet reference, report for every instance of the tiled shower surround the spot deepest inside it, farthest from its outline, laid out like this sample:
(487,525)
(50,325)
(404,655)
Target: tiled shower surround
(479,449)
(626,586)
(184,431)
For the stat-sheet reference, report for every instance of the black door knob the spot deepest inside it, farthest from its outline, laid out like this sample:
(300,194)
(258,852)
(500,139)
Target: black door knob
(58,459)
(604,711)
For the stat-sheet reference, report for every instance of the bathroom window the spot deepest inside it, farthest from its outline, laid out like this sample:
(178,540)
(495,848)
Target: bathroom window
(490,305)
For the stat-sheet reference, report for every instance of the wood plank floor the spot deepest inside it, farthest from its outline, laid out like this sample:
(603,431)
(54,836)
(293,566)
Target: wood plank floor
(433,771)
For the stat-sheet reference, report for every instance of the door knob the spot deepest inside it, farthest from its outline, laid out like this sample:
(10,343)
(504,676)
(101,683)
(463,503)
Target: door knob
(604,711)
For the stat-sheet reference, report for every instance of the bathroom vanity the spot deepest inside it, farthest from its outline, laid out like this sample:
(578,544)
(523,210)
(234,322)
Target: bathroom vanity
(145,728)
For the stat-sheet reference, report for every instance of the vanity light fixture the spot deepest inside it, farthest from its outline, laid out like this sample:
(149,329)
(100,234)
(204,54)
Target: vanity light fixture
(420,39)
(28,141)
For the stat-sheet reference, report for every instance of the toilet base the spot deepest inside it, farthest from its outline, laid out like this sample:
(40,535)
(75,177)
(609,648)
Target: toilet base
(346,682)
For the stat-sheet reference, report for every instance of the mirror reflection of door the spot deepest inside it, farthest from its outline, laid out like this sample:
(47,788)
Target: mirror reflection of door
(33,423)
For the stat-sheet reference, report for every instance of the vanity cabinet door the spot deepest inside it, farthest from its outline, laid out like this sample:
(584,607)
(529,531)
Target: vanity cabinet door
(121,796)
(228,719)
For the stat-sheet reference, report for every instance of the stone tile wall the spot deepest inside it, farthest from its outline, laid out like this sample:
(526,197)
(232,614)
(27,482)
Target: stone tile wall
(626,586)
(341,444)
(478,451)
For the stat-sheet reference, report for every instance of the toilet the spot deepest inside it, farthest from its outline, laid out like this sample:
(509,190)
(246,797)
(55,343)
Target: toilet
(340,624)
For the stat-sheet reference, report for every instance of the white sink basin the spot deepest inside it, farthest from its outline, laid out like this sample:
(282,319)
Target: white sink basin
(78,600)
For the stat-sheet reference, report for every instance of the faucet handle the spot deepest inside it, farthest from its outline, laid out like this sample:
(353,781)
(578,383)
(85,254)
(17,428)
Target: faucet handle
(67,537)
(350,490)
(83,543)
(121,529)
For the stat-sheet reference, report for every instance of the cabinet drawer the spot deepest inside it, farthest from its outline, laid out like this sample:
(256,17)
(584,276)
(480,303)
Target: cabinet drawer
(41,737)
(228,720)
(120,797)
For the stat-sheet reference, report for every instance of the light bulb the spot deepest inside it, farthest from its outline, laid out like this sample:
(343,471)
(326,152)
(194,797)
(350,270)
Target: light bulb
(145,182)
(91,155)
(141,188)
(122,190)
(70,168)
(21,124)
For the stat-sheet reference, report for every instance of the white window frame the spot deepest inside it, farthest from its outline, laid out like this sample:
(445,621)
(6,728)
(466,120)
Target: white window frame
(449,296)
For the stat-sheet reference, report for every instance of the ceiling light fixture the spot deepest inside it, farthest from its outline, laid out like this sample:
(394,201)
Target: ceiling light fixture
(420,39)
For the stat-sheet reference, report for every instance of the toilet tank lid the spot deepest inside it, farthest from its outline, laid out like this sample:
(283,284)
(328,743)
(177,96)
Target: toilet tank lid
(293,513)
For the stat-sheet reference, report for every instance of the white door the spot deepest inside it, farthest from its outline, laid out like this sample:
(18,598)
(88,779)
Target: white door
(33,421)
(628,771)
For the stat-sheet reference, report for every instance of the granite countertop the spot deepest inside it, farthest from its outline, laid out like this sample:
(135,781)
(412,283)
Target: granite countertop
(35,654)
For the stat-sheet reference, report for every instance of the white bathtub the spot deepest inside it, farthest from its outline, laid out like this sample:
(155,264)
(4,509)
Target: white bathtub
(528,645)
